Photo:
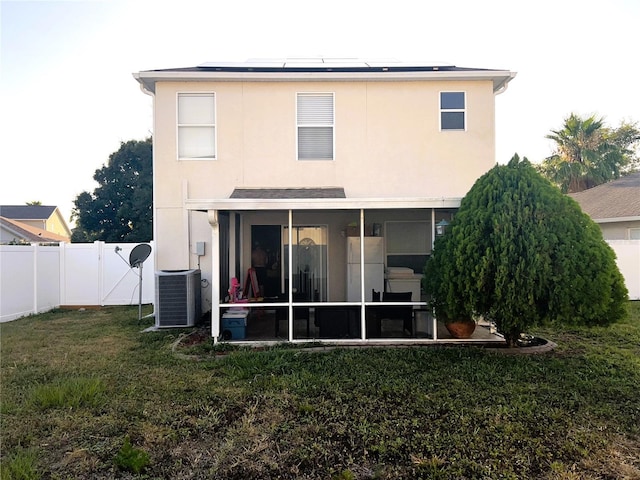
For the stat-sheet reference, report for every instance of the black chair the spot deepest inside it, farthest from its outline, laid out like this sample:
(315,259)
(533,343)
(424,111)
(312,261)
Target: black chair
(299,313)
(373,316)
(398,312)
(338,322)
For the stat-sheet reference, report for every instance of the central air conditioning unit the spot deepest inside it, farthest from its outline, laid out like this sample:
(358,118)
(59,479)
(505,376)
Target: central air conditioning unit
(178,298)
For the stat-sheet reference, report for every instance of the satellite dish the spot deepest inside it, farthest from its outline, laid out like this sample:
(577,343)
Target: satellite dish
(139,254)
(136,258)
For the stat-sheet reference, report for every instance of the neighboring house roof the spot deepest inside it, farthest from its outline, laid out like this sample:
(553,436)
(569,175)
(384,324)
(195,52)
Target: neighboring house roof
(27,212)
(318,68)
(618,200)
(50,217)
(27,233)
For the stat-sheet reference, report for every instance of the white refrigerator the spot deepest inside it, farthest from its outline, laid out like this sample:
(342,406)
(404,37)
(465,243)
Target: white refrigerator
(373,267)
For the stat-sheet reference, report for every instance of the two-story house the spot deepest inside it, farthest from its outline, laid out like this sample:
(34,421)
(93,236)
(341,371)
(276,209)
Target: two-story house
(322,182)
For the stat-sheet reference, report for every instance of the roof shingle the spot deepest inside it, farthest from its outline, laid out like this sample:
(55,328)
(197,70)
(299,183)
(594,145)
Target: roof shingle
(617,199)
(288,193)
(27,212)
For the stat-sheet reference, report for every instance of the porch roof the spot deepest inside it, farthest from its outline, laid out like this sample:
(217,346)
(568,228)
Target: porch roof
(279,201)
(288,193)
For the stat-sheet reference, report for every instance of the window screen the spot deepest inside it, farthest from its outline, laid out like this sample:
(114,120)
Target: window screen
(408,244)
(452,111)
(315,126)
(196,126)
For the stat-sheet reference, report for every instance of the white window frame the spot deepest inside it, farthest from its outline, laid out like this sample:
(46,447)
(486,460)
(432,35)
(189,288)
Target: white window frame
(319,124)
(633,233)
(452,110)
(197,125)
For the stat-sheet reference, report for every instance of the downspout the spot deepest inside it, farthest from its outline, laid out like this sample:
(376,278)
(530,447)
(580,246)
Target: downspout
(146,91)
(152,94)
(503,88)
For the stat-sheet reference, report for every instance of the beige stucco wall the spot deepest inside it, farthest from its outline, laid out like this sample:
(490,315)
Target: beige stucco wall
(387,140)
(387,145)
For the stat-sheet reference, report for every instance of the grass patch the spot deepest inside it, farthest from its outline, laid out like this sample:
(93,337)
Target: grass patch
(21,464)
(421,412)
(69,393)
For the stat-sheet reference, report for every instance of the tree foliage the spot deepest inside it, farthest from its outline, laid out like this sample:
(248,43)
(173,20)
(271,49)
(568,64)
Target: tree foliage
(521,253)
(588,153)
(120,208)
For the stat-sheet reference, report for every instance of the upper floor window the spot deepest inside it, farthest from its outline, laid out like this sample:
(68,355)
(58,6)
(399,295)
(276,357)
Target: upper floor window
(196,126)
(315,126)
(634,233)
(452,111)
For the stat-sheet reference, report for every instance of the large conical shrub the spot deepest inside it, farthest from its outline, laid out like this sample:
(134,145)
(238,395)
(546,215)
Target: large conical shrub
(520,253)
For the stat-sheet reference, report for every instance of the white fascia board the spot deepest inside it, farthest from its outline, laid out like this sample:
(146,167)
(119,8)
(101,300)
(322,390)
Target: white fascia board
(616,219)
(148,79)
(239,204)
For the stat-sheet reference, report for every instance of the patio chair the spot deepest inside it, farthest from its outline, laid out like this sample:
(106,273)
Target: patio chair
(299,313)
(338,322)
(398,312)
(376,314)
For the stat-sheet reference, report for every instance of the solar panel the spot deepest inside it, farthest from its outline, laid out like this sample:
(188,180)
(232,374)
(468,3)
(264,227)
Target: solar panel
(322,63)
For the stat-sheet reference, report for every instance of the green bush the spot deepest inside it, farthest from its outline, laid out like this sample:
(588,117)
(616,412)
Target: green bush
(521,253)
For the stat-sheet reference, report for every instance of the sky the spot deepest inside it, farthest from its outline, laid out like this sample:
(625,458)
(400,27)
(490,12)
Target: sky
(68,98)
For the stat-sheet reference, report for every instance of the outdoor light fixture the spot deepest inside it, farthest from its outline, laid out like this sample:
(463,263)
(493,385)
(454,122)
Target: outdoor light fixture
(441,227)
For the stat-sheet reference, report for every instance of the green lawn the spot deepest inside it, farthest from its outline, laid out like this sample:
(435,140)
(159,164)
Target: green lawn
(86,395)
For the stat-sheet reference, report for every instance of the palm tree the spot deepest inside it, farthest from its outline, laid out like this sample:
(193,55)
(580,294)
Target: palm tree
(588,153)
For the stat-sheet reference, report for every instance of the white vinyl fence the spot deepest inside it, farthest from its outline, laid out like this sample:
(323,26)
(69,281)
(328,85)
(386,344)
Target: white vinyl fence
(628,259)
(36,278)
